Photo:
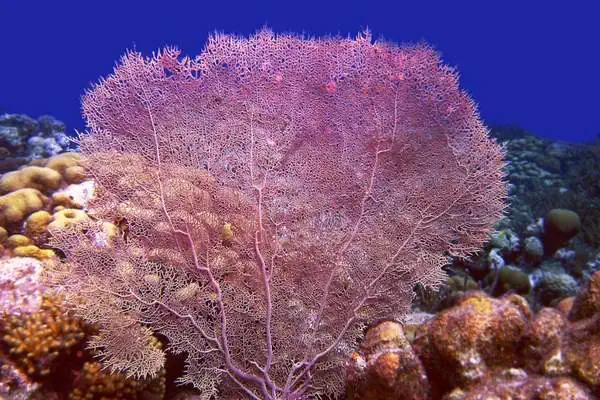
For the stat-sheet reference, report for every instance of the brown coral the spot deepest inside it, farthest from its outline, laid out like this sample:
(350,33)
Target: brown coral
(496,349)
(37,341)
(517,384)
(94,383)
(462,344)
(386,367)
(587,303)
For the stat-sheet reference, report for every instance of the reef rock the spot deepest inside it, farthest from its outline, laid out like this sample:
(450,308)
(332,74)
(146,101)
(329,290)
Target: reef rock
(486,348)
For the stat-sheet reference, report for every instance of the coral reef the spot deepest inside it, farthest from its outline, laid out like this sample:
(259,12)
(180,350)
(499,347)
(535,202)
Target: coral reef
(501,342)
(37,342)
(486,348)
(44,349)
(49,195)
(321,183)
(386,367)
(550,264)
(93,383)
(24,139)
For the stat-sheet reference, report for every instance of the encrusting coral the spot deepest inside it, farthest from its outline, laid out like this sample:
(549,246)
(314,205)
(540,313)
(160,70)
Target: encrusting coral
(16,206)
(486,348)
(386,367)
(44,179)
(68,165)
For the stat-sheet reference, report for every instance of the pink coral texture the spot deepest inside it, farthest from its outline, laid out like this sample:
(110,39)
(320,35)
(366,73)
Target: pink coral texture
(276,195)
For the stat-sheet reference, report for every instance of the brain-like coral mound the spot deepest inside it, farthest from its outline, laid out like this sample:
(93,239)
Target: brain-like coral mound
(17,205)
(68,165)
(47,194)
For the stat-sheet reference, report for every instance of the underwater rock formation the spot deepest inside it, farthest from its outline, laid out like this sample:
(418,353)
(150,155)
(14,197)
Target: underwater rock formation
(486,347)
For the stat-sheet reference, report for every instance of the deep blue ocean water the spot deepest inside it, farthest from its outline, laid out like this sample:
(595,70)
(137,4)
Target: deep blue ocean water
(530,64)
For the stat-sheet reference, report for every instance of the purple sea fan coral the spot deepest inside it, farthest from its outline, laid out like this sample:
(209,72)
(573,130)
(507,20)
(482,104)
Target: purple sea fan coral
(280,194)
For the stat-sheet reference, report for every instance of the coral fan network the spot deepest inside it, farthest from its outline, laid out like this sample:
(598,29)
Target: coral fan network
(281,194)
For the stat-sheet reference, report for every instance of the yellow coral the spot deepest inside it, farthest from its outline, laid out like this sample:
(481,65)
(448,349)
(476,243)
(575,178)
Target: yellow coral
(68,217)
(17,240)
(40,178)
(37,223)
(3,234)
(65,200)
(481,304)
(17,205)
(35,341)
(227,234)
(74,174)
(33,251)
(67,164)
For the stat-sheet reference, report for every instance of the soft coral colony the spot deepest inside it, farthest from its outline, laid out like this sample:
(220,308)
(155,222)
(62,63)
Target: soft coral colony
(257,207)
(280,194)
